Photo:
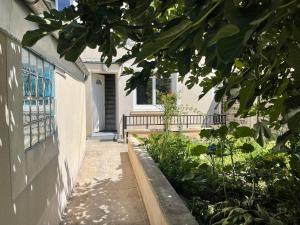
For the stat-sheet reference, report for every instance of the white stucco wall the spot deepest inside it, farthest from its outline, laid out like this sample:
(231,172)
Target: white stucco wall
(189,98)
(35,184)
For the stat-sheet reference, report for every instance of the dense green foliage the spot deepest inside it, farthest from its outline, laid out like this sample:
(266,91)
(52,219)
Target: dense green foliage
(251,45)
(232,180)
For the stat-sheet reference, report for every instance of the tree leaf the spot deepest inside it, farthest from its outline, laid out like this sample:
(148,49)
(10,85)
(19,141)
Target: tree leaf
(233,125)
(296,33)
(184,62)
(35,18)
(281,140)
(247,148)
(262,130)
(73,54)
(246,94)
(266,130)
(205,133)
(294,59)
(32,36)
(198,150)
(295,164)
(219,94)
(230,47)
(163,40)
(188,176)
(222,131)
(243,131)
(261,19)
(276,109)
(227,30)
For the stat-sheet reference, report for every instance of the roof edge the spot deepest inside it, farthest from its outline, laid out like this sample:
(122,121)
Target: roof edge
(38,7)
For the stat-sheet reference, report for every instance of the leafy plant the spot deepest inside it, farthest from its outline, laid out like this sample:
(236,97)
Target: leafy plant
(170,109)
(263,189)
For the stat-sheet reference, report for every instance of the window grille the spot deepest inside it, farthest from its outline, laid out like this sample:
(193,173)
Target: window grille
(38,99)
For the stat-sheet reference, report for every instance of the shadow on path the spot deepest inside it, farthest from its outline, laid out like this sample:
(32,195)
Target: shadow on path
(106,191)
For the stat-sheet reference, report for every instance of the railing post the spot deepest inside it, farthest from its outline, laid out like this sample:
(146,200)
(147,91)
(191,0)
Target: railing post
(187,121)
(147,122)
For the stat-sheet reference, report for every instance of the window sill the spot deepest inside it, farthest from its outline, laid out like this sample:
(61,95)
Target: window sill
(42,143)
(145,112)
(151,108)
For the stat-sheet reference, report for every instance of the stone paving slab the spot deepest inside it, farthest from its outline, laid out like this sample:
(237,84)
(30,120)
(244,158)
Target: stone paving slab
(106,191)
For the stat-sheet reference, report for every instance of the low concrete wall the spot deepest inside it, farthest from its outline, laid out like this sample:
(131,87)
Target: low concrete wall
(163,205)
(190,132)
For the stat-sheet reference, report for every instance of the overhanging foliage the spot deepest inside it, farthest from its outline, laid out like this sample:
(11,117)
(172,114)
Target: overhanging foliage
(252,45)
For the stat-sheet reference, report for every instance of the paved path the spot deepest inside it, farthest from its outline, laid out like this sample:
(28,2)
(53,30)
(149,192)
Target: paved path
(106,191)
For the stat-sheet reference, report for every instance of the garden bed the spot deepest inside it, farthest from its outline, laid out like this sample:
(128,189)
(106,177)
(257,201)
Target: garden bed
(226,178)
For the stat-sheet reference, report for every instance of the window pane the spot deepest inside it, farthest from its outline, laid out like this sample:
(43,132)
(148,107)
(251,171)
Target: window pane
(46,70)
(38,102)
(33,85)
(47,88)
(144,94)
(52,89)
(48,127)
(41,130)
(40,87)
(25,59)
(26,112)
(41,109)
(40,67)
(34,133)
(34,111)
(52,107)
(53,127)
(47,107)
(51,71)
(163,86)
(26,84)
(32,60)
(27,137)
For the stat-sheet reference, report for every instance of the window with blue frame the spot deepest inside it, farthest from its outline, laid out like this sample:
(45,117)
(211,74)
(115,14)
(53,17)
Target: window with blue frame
(38,98)
(61,4)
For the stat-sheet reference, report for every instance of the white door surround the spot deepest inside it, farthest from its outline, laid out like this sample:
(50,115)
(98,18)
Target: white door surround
(98,102)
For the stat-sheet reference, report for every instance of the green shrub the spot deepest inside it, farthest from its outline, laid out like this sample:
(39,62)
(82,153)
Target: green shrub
(264,188)
(170,151)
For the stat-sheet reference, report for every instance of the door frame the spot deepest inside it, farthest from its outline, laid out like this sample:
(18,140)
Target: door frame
(102,115)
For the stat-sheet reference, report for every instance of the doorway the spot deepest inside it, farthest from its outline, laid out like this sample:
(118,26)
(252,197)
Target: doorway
(98,102)
(110,102)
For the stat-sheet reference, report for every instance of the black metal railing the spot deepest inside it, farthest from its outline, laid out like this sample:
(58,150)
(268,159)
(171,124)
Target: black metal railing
(180,120)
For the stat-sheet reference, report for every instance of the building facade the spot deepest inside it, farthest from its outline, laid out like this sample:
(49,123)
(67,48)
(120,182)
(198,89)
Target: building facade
(42,121)
(105,87)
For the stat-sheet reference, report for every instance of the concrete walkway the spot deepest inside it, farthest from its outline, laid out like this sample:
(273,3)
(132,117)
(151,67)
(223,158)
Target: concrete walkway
(106,191)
